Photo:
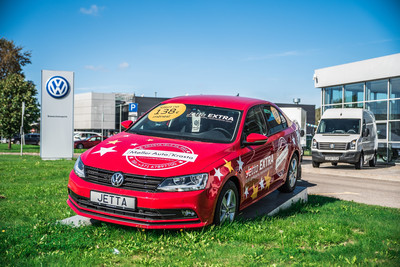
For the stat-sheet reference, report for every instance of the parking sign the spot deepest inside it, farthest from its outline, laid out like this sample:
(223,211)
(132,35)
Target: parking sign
(133,107)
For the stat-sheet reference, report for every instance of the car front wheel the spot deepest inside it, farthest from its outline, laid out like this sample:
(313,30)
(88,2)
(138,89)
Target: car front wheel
(227,204)
(80,146)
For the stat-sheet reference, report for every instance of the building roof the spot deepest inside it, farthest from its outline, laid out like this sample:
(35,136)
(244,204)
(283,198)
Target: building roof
(360,71)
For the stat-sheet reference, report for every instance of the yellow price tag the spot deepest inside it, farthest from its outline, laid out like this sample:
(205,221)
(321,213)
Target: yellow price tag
(276,115)
(166,112)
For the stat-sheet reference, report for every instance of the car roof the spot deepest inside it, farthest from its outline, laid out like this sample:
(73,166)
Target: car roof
(231,102)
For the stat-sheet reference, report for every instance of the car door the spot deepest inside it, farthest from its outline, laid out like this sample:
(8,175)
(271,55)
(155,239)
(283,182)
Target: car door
(256,160)
(279,138)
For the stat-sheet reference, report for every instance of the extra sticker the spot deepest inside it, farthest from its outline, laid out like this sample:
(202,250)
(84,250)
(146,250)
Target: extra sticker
(276,115)
(161,156)
(166,112)
(283,151)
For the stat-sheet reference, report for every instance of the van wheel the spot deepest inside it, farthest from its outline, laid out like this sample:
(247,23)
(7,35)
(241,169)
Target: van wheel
(291,177)
(334,163)
(227,204)
(360,162)
(315,164)
(372,162)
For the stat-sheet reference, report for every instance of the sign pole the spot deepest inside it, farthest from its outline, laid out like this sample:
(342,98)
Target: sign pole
(22,126)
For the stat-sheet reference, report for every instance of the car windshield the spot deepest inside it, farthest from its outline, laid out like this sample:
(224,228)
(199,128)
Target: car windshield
(189,122)
(339,126)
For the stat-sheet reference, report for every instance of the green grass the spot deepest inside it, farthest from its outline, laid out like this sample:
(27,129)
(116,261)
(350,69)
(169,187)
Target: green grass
(27,149)
(324,231)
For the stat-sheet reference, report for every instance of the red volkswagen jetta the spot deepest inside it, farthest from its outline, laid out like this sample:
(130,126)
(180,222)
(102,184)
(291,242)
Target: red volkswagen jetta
(189,162)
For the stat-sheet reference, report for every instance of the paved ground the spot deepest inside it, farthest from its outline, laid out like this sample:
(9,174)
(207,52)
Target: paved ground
(377,186)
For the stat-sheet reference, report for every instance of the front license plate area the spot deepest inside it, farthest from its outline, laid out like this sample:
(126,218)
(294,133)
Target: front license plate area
(112,200)
(332,158)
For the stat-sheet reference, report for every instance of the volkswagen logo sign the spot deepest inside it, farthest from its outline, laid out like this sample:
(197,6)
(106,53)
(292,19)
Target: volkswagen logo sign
(57,87)
(117,179)
(332,146)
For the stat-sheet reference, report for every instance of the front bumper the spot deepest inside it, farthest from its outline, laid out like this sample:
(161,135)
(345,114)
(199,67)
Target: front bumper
(335,156)
(161,210)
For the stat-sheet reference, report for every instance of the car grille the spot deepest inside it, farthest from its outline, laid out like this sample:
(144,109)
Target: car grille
(336,146)
(153,215)
(132,182)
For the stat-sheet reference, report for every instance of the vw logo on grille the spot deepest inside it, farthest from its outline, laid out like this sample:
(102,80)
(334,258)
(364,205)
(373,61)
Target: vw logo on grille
(117,179)
(57,87)
(332,146)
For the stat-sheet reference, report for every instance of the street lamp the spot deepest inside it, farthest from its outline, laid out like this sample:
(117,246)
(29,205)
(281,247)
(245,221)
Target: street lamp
(121,104)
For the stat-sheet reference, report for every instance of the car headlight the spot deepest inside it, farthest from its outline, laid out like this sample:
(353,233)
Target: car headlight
(353,144)
(184,183)
(314,144)
(79,168)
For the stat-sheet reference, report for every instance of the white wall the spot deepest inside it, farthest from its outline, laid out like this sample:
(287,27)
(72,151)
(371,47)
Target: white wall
(89,108)
(366,70)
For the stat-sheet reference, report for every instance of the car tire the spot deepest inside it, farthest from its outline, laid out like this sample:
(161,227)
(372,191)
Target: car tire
(291,177)
(227,204)
(79,146)
(372,162)
(315,164)
(360,162)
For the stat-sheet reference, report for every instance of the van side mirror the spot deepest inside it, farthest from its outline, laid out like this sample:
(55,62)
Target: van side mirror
(302,133)
(366,132)
(255,139)
(126,124)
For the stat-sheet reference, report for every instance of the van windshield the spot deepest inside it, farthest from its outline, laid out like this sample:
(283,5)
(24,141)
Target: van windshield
(339,126)
(189,122)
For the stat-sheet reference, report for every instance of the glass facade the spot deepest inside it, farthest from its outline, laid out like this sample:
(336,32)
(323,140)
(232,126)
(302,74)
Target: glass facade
(382,97)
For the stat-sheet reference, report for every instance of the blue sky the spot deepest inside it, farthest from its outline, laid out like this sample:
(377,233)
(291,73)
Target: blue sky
(262,49)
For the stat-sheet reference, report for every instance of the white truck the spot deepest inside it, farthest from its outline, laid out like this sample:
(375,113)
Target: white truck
(345,135)
(300,115)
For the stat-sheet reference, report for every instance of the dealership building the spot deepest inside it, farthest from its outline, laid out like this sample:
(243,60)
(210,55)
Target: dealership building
(372,84)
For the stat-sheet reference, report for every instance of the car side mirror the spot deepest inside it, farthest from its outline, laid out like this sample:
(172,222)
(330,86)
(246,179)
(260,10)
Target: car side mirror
(255,139)
(126,124)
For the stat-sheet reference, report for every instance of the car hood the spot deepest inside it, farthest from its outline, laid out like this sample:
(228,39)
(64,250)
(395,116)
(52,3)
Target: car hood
(153,156)
(336,138)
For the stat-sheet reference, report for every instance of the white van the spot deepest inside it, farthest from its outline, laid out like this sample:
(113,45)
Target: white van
(345,135)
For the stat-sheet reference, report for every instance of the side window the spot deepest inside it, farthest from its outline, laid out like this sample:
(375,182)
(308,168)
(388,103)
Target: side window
(254,122)
(276,122)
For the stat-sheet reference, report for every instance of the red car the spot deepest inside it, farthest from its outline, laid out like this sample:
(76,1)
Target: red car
(89,142)
(189,162)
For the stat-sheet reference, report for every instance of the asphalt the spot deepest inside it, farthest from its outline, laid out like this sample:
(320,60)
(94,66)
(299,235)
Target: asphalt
(382,171)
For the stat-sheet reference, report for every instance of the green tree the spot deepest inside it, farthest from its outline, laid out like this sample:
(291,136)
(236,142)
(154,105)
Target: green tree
(12,58)
(13,91)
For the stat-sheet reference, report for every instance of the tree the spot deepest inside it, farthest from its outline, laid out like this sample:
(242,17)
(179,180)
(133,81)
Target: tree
(13,91)
(12,58)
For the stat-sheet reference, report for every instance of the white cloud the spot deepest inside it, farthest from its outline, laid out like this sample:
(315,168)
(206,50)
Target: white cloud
(123,65)
(95,68)
(93,10)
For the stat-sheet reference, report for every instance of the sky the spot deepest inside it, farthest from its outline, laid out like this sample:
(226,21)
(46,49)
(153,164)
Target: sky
(260,49)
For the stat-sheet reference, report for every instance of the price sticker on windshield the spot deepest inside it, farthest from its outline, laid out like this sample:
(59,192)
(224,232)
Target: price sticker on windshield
(166,112)
(276,115)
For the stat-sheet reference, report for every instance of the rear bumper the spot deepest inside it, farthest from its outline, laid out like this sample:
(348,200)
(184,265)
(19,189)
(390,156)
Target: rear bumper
(345,157)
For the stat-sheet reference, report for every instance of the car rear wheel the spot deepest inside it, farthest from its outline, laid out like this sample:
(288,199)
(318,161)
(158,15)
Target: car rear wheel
(227,204)
(80,146)
(372,162)
(291,177)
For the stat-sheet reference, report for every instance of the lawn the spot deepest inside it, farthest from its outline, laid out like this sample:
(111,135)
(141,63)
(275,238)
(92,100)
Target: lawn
(324,231)
(27,149)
